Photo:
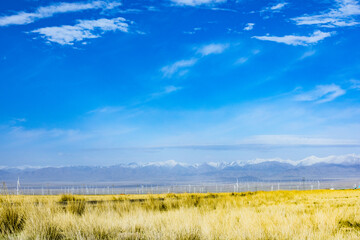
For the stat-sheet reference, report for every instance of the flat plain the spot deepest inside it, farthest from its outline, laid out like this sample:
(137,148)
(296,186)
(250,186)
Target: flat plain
(317,214)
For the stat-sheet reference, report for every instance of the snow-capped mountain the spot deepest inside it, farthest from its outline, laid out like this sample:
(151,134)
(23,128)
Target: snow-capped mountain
(349,159)
(334,167)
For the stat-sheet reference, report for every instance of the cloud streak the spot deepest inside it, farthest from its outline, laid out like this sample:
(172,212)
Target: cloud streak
(341,16)
(178,67)
(85,29)
(167,90)
(274,8)
(212,48)
(258,142)
(296,40)
(197,2)
(355,84)
(107,109)
(249,26)
(22,18)
(321,94)
(278,6)
(182,67)
(307,54)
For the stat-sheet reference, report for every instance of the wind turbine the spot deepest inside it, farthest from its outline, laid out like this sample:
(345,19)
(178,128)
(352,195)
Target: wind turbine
(18,186)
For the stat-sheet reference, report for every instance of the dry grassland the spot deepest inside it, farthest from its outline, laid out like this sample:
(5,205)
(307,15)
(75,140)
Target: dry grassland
(322,214)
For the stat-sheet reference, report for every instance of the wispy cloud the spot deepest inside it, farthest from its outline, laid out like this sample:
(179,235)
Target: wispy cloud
(197,2)
(249,26)
(48,11)
(167,90)
(307,54)
(170,89)
(182,67)
(107,109)
(224,9)
(274,8)
(355,84)
(241,60)
(20,119)
(342,15)
(194,30)
(178,67)
(278,6)
(259,142)
(20,135)
(85,29)
(322,94)
(296,40)
(17,121)
(286,140)
(213,48)
(121,109)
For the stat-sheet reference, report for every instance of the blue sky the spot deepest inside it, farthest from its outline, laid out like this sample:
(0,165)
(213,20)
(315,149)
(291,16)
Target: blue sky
(108,82)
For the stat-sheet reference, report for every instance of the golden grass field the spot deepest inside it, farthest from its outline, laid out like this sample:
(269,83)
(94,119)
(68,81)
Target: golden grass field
(318,214)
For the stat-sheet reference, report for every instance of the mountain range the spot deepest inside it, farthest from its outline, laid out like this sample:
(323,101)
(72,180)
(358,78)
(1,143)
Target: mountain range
(171,172)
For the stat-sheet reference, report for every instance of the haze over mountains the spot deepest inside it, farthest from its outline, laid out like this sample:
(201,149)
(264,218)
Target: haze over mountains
(170,172)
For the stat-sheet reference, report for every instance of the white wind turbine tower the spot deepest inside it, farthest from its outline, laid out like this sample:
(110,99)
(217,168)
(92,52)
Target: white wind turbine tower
(18,186)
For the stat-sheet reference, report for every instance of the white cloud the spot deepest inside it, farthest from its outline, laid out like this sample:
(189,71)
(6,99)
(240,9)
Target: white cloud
(108,109)
(275,8)
(212,49)
(255,51)
(197,2)
(296,140)
(193,31)
(85,29)
(307,54)
(21,134)
(278,6)
(20,119)
(181,67)
(170,70)
(297,40)
(249,26)
(355,84)
(244,59)
(241,60)
(170,89)
(48,11)
(322,94)
(341,16)
(167,90)
(17,121)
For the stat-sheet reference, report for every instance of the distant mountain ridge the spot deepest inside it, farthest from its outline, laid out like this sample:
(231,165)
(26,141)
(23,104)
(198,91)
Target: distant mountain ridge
(331,167)
(349,159)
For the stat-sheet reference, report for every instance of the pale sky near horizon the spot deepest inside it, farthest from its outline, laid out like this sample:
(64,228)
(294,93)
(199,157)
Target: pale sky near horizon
(105,82)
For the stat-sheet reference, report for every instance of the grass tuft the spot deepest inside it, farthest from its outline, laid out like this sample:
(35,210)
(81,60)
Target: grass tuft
(12,218)
(53,232)
(74,204)
(189,235)
(67,198)
(77,207)
(349,224)
(100,233)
